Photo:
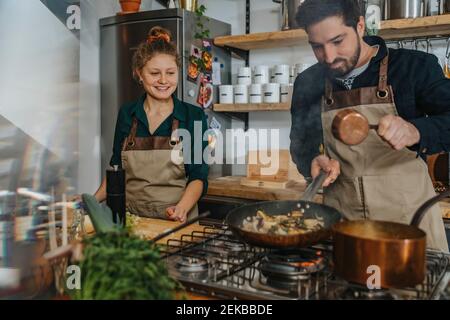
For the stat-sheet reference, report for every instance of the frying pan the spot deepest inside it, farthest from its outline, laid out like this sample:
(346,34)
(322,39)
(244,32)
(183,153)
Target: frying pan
(311,210)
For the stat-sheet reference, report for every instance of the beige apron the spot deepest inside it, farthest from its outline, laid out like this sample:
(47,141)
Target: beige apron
(153,181)
(376,181)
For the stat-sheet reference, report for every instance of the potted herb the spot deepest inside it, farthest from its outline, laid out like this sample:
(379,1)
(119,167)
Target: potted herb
(130,6)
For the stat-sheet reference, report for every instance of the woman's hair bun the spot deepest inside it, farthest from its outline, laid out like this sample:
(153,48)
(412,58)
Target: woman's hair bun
(159,33)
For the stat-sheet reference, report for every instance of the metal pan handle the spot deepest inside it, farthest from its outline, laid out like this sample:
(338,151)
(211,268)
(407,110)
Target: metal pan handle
(420,213)
(315,185)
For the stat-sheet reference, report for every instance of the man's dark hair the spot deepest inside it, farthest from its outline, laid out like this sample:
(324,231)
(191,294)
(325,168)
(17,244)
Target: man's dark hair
(313,11)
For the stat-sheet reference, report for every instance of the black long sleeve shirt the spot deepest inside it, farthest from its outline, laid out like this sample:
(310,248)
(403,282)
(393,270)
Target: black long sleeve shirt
(421,94)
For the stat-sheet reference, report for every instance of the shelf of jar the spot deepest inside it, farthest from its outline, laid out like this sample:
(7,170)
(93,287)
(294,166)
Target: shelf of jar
(390,30)
(251,107)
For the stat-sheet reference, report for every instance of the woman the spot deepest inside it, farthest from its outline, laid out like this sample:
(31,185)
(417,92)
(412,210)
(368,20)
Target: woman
(155,186)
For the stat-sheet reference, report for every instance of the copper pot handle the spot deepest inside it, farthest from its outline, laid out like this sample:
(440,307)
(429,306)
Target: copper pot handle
(420,213)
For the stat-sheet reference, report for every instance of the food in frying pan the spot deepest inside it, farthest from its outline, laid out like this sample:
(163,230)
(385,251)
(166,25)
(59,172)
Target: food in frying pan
(291,224)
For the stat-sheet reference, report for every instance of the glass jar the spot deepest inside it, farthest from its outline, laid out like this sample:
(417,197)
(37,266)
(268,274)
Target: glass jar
(373,15)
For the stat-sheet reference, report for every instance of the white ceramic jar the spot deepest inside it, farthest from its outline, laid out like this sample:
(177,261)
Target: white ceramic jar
(256,93)
(244,76)
(226,94)
(281,73)
(271,93)
(261,74)
(286,91)
(240,93)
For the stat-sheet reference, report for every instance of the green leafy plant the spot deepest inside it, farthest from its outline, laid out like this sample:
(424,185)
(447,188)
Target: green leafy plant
(201,33)
(116,264)
(119,266)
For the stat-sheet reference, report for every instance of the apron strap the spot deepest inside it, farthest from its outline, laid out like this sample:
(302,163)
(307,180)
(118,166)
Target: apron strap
(130,141)
(174,139)
(382,82)
(328,91)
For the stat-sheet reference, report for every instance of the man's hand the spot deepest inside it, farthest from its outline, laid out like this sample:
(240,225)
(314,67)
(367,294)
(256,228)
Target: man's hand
(330,166)
(398,132)
(177,213)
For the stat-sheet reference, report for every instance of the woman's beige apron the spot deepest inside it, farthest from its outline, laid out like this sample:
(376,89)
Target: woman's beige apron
(376,181)
(153,181)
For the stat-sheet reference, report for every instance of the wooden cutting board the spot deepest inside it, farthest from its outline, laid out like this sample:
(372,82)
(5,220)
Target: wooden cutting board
(271,169)
(231,187)
(150,228)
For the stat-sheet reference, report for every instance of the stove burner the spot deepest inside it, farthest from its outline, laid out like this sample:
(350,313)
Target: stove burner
(357,292)
(284,268)
(234,246)
(192,264)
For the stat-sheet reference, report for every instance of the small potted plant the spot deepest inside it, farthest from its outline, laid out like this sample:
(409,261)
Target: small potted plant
(130,6)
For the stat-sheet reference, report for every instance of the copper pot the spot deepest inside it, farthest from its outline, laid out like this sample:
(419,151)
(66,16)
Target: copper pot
(351,127)
(396,250)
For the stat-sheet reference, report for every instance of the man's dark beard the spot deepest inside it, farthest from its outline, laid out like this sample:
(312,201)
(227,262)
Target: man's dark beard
(348,66)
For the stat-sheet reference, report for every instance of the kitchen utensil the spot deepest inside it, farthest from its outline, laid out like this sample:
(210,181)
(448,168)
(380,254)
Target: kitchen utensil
(289,10)
(115,193)
(278,173)
(396,250)
(310,209)
(190,5)
(434,7)
(447,60)
(351,127)
(181,226)
(402,9)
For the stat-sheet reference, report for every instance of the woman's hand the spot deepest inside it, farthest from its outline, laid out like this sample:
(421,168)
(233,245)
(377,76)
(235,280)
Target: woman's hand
(177,213)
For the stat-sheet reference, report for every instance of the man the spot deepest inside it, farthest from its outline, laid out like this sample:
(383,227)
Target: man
(403,91)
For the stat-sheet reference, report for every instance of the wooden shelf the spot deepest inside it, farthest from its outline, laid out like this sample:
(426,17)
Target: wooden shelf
(390,30)
(252,107)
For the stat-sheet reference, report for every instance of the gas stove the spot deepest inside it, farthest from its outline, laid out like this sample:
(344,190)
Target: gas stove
(212,262)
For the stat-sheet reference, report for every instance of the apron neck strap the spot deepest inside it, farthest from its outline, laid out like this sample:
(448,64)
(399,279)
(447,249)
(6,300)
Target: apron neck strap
(328,89)
(382,82)
(175,124)
(133,128)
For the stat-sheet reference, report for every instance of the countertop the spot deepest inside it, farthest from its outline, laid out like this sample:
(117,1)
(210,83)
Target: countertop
(230,187)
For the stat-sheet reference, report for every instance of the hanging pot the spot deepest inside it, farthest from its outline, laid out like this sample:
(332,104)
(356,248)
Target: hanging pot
(130,6)
(447,6)
(289,10)
(190,5)
(404,9)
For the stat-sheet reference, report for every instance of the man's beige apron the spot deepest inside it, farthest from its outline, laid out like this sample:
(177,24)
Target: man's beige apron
(153,181)
(376,181)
